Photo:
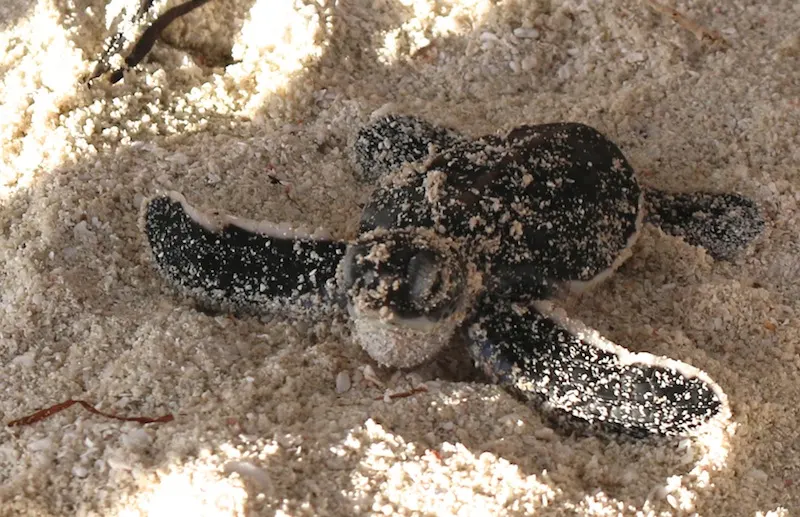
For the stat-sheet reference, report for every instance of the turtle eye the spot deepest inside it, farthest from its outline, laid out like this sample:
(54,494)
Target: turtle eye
(423,276)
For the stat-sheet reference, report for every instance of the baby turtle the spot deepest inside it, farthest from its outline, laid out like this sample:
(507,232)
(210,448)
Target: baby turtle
(468,239)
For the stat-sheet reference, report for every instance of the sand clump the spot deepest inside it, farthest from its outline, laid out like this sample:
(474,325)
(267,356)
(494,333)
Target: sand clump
(249,107)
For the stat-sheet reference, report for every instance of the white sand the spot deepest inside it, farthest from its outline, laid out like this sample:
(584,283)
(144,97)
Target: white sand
(259,424)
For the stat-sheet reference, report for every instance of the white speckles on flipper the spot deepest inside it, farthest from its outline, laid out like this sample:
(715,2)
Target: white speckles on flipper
(384,145)
(571,370)
(724,223)
(223,264)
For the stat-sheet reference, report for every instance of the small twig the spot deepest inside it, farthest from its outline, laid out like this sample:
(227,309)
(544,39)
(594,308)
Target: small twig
(52,410)
(404,394)
(116,43)
(700,32)
(148,38)
(287,188)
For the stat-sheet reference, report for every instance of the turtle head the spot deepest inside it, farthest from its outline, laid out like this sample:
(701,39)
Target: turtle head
(407,290)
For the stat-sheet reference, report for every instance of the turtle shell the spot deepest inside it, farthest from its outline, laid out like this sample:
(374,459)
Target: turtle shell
(538,207)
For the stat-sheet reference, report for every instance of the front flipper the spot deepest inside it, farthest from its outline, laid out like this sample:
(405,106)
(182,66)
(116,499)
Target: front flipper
(723,224)
(240,265)
(570,370)
(383,146)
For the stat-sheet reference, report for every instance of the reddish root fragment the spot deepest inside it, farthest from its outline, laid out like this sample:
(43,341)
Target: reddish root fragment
(57,408)
(436,454)
(700,31)
(404,394)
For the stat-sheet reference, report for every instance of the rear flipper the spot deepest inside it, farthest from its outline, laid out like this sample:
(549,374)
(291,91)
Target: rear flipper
(237,264)
(723,224)
(573,372)
(383,146)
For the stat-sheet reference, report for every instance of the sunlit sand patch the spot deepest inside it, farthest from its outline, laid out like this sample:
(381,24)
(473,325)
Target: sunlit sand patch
(453,477)
(40,66)
(277,41)
(429,18)
(194,489)
(44,74)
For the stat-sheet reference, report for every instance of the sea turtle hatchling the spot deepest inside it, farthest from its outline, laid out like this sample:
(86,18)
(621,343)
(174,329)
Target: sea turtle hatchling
(468,239)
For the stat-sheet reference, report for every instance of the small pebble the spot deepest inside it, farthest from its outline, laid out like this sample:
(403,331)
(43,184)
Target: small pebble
(526,32)
(342,382)
(250,472)
(178,158)
(757,475)
(544,433)
(529,62)
(79,471)
(371,376)
(136,439)
(40,445)
(25,360)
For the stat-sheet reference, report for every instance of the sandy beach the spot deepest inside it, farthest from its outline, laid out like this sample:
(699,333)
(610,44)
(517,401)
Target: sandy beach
(250,107)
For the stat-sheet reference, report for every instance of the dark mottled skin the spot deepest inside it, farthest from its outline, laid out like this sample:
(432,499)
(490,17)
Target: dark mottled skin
(555,203)
(473,234)
(236,268)
(540,361)
(381,149)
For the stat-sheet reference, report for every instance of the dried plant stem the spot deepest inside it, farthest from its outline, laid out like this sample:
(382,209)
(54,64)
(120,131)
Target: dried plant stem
(701,32)
(57,408)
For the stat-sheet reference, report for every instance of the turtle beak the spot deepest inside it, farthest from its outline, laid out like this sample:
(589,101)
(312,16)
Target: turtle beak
(396,341)
(407,293)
